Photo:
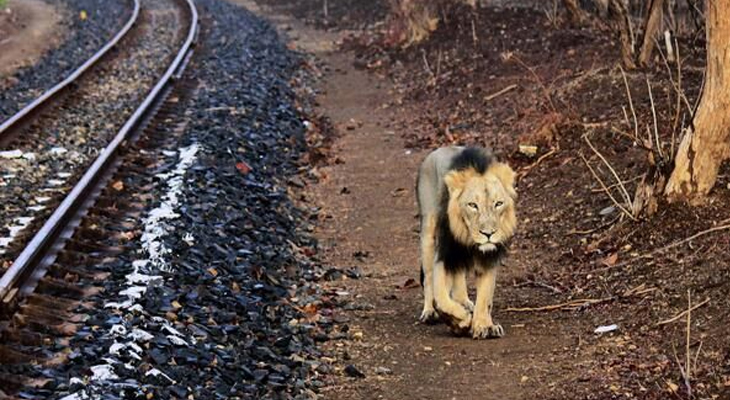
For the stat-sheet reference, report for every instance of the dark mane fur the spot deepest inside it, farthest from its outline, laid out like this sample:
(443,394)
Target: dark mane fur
(455,255)
(472,157)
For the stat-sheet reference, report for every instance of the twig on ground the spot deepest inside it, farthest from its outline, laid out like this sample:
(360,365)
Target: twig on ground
(693,237)
(539,284)
(682,372)
(580,303)
(723,225)
(656,125)
(638,142)
(501,92)
(474,36)
(525,170)
(631,105)
(539,81)
(589,231)
(605,188)
(634,179)
(683,313)
(621,186)
(697,355)
(427,66)
(567,305)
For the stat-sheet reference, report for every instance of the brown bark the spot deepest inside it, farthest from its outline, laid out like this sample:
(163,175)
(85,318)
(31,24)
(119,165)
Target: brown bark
(653,22)
(412,20)
(705,147)
(619,16)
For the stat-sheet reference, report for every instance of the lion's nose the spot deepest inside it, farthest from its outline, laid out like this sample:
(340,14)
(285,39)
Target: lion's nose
(488,234)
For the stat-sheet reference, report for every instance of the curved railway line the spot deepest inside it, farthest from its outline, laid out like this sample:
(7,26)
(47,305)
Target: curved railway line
(78,244)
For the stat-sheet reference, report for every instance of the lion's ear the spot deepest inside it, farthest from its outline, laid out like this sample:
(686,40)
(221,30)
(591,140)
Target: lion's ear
(455,182)
(506,176)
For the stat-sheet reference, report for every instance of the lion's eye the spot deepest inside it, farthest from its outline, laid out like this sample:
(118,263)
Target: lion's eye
(473,206)
(498,204)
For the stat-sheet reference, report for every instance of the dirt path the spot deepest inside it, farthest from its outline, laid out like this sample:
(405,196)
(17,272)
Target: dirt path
(369,202)
(27,29)
(368,221)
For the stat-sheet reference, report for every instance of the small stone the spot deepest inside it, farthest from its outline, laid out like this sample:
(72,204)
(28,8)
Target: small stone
(352,371)
(383,371)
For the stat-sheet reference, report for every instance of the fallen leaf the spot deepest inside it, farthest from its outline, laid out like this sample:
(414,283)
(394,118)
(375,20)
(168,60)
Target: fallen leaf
(672,387)
(410,284)
(118,186)
(310,308)
(610,260)
(243,167)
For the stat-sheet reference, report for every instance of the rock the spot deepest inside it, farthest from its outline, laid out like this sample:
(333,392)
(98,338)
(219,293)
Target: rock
(352,371)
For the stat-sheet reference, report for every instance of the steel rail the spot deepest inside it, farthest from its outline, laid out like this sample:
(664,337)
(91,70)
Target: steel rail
(43,248)
(27,112)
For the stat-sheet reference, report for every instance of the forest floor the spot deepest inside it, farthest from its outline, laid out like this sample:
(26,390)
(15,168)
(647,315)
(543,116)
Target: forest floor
(504,77)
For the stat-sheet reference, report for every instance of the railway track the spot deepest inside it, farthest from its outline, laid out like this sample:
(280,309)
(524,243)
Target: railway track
(84,239)
(51,142)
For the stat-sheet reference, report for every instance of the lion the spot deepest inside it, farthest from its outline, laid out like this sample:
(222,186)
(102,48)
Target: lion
(466,202)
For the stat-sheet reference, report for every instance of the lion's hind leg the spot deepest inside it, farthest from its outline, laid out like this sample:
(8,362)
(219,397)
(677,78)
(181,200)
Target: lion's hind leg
(428,252)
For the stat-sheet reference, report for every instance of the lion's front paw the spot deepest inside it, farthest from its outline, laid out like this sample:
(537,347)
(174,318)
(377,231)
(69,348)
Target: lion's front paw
(429,316)
(486,331)
(459,319)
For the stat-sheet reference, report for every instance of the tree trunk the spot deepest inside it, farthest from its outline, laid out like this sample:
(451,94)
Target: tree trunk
(707,145)
(412,21)
(653,21)
(618,13)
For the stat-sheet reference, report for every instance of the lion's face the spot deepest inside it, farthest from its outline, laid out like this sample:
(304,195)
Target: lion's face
(482,206)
